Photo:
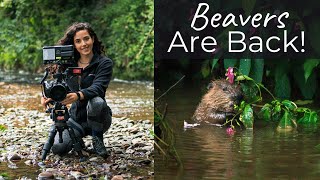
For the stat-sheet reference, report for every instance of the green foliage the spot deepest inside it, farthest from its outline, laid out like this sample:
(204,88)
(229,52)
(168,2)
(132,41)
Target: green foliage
(266,112)
(246,117)
(129,31)
(257,70)
(214,63)
(286,74)
(282,87)
(125,28)
(245,66)
(287,121)
(205,70)
(2,128)
(284,112)
(5,175)
(308,67)
(307,86)
(230,63)
(166,142)
(309,116)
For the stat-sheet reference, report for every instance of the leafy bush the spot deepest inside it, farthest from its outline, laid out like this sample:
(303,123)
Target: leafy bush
(125,27)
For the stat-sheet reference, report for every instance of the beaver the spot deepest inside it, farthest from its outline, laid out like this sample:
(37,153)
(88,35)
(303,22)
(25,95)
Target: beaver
(218,102)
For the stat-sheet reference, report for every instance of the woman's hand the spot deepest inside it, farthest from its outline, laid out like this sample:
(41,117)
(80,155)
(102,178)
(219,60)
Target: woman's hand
(45,101)
(70,98)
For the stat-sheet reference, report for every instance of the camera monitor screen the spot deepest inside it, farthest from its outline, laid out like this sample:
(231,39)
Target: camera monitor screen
(58,54)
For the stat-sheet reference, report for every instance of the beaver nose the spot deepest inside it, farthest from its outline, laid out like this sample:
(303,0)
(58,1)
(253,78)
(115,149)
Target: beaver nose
(238,98)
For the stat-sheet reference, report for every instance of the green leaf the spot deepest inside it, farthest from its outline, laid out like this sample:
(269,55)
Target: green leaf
(265,112)
(229,63)
(309,118)
(308,88)
(245,66)
(282,87)
(302,109)
(157,116)
(276,112)
(289,104)
(257,70)
(205,69)
(246,117)
(248,6)
(286,121)
(277,108)
(249,90)
(214,62)
(308,67)
(242,104)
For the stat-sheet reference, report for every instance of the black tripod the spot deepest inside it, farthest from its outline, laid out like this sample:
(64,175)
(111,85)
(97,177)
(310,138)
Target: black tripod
(60,115)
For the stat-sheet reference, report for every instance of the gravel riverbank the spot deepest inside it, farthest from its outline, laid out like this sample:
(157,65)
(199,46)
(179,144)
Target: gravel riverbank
(128,141)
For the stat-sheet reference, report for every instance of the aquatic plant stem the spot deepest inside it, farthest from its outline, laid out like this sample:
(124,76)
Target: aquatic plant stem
(170,88)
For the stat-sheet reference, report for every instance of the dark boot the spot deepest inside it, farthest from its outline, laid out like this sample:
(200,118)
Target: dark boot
(99,147)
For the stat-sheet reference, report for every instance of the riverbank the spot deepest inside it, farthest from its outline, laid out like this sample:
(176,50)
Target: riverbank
(128,141)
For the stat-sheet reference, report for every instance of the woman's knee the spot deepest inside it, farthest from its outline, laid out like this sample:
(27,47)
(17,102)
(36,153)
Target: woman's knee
(96,106)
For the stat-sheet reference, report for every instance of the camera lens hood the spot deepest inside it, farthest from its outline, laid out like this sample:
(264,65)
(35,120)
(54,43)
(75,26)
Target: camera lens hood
(58,92)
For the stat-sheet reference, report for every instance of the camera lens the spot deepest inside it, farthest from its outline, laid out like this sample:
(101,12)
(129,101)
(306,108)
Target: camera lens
(58,92)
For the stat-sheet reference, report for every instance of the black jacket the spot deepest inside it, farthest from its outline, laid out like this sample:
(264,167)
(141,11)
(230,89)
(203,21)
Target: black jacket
(94,82)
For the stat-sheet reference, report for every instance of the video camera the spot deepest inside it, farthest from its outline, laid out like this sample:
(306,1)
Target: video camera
(62,57)
(61,60)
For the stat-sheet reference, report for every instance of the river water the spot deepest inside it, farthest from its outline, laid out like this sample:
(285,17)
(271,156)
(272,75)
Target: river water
(208,152)
(129,99)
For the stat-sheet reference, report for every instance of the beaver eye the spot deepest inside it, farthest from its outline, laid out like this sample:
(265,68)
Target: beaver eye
(224,89)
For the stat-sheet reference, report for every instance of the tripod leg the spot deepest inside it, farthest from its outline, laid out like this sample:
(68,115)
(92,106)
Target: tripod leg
(47,146)
(76,144)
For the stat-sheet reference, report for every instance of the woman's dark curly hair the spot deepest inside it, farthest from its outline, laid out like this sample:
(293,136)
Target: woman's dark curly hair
(67,39)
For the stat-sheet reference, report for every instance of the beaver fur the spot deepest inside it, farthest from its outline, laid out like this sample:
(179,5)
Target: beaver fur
(218,102)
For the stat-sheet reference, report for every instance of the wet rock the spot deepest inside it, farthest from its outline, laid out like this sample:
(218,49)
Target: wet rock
(145,162)
(117,177)
(14,157)
(76,174)
(118,151)
(123,167)
(95,159)
(12,165)
(124,139)
(129,151)
(45,176)
(28,162)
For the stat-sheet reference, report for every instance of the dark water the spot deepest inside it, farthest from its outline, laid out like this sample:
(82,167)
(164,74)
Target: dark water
(208,152)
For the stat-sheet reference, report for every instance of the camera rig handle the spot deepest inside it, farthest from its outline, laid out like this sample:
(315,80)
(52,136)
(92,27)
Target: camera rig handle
(45,76)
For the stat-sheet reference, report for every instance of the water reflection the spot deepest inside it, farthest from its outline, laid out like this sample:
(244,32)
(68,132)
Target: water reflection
(208,152)
(133,100)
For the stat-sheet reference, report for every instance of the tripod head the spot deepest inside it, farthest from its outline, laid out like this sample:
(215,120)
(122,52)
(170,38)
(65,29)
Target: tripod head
(59,115)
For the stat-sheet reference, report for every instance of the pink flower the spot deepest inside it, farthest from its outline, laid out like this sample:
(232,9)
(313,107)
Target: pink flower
(230,131)
(230,75)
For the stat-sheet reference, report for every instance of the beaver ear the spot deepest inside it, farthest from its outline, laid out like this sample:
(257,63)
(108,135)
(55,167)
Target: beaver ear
(210,85)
